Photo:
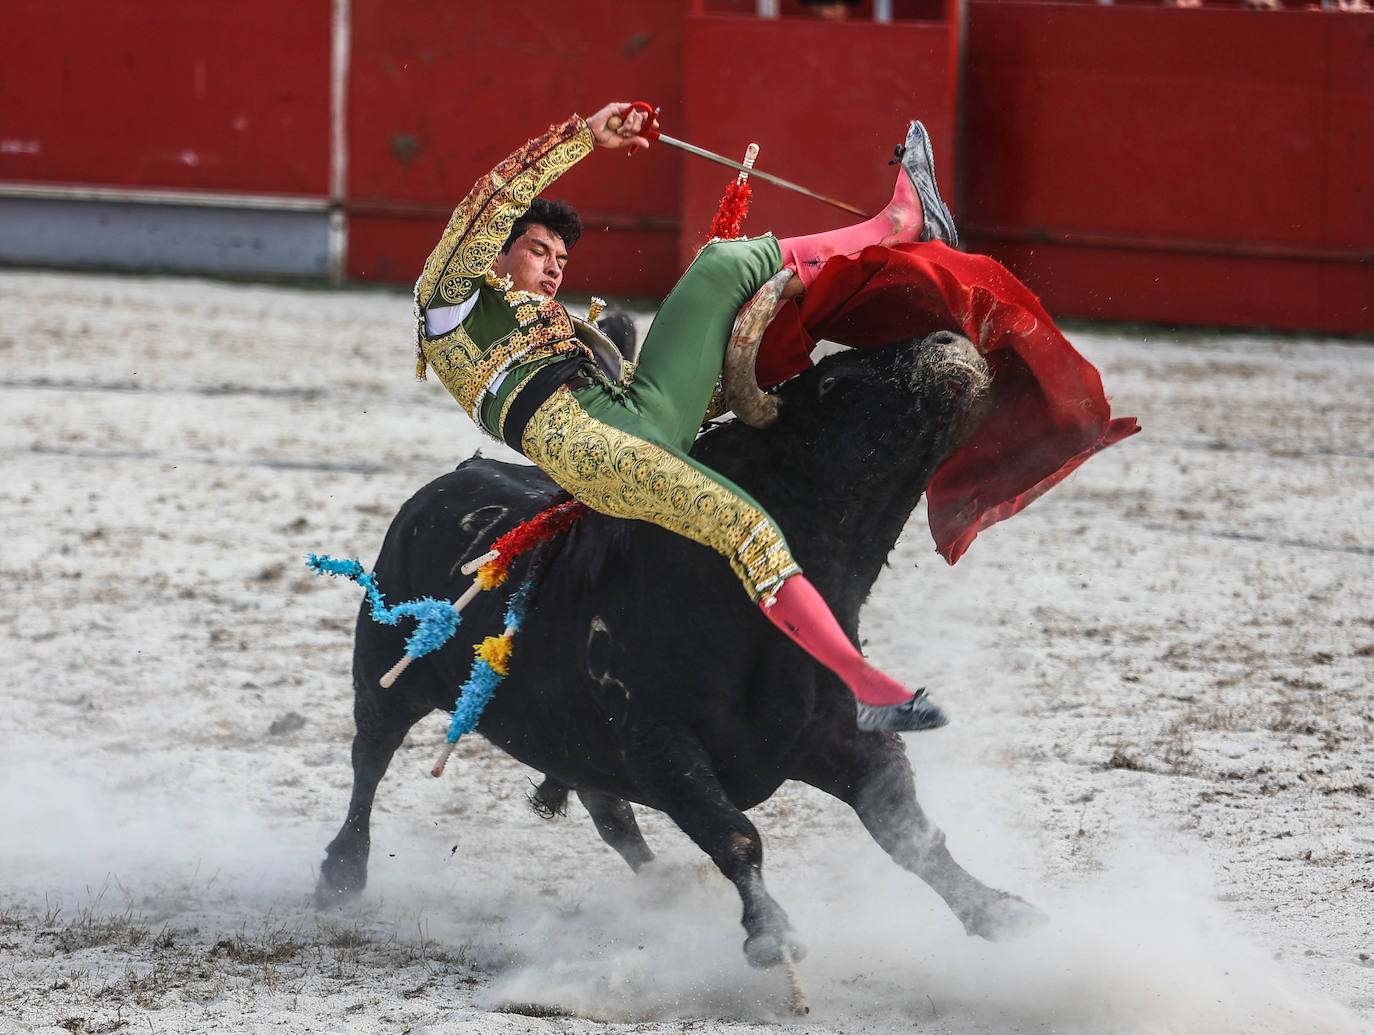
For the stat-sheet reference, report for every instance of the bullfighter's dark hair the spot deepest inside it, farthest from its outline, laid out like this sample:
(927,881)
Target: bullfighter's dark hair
(558,216)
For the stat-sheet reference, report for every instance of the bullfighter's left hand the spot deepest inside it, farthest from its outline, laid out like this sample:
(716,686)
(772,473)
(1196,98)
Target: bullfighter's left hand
(632,121)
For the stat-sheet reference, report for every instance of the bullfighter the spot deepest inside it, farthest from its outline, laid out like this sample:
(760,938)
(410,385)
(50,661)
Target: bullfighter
(489,324)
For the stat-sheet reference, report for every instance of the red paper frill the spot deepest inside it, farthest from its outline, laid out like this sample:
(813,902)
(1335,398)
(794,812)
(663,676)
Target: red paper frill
(734,206)
(527,535)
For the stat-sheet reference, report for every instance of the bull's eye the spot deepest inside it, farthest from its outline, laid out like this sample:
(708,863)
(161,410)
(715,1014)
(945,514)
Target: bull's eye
(828,382)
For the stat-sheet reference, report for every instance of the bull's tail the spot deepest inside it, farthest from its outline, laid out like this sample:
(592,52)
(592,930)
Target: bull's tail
(550,798)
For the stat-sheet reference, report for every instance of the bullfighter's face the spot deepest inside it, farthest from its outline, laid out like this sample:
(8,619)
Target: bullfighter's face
(535,261)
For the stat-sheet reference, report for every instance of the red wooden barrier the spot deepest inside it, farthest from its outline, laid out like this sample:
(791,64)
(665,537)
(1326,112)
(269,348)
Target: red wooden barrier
(826,102)
(901,10)
(1199,166)
(439,93)
(1135,162)
(167,94)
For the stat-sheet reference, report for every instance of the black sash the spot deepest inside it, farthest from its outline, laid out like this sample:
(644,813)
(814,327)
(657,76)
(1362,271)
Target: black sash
(533,394)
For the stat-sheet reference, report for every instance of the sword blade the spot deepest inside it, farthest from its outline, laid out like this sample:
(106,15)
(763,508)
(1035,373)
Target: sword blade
(711,156)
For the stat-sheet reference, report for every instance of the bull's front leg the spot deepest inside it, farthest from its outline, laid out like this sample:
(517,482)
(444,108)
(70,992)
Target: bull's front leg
(871,773)
(676,777)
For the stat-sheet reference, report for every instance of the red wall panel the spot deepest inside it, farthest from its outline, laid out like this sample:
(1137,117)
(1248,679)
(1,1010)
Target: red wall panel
(439,93)
(615,264)
(1348,158)
(826,102)
(1153,287)
(929,10)
(209,95)
(1129,161)
(1105,120)
(1160,151)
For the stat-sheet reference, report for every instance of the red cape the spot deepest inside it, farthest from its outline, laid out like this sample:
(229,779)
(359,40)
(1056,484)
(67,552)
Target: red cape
(1049,413)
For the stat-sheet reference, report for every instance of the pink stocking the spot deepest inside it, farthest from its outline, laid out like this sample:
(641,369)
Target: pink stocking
(900,223)
(802,613)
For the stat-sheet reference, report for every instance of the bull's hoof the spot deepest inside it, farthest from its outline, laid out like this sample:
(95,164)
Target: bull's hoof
(766,950)
(336,888)
(1005,916)
(327,896)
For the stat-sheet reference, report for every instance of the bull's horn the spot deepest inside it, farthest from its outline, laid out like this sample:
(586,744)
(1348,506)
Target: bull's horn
(741,386)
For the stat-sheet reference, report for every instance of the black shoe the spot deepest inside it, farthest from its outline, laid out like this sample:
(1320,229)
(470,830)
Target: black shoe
(919,713)
(919,162)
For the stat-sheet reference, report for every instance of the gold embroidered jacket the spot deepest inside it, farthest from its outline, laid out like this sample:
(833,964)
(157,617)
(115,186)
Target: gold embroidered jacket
(508,334)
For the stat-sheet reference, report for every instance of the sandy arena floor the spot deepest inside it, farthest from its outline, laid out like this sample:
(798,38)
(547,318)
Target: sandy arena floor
(1160,678)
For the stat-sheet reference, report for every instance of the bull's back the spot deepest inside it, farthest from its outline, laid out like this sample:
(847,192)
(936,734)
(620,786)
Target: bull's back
(454,519)
(448,522)
(549,711)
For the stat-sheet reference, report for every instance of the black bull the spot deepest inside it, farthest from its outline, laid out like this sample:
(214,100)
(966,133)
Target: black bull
(644,674)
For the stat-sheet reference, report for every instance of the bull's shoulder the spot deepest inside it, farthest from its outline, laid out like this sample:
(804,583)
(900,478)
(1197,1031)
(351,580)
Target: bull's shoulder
(480,500)
(482,474)
(482,481)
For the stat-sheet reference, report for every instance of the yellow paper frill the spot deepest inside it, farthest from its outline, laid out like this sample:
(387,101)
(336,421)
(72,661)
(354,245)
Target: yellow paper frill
(491,574)
(495,651)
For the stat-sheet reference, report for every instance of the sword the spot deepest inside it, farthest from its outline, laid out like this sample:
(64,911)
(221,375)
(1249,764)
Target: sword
(615,122)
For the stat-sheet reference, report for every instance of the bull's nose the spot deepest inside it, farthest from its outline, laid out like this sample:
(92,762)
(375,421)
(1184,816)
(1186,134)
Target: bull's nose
(954,357)
(950,350)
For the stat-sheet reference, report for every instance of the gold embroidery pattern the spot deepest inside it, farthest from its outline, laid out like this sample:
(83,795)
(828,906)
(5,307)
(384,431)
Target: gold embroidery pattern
(624,476)
(555,319)
(467,373)
(454,358)
(481,223)
(501,417)
(555,329)
(454,288)
(526,315)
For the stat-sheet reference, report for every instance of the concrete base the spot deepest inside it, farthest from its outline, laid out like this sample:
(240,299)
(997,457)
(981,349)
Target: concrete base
(156,237)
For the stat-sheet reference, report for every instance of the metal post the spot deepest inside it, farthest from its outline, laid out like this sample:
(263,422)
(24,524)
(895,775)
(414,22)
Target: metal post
(338,141)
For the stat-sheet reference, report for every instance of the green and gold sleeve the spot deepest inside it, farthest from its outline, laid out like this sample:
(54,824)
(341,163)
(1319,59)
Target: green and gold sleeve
(480,225)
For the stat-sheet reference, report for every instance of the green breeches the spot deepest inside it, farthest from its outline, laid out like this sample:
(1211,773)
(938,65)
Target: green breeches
(627,457)
(680,362)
